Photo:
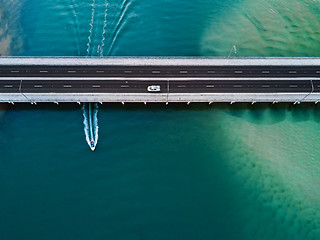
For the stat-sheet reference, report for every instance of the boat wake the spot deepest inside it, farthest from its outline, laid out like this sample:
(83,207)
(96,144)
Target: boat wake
(93,8)
(90,122)
(103,38)
(121,13)
(107,18)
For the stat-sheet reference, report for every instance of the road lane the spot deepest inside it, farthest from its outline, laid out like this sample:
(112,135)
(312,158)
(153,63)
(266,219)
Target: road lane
(175,86)
(125,75)
(160,71)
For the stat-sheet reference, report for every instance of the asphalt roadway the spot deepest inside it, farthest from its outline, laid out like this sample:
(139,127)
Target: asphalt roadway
(172,79)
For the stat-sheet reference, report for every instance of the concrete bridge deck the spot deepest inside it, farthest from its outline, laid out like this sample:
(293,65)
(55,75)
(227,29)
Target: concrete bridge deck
(180,79)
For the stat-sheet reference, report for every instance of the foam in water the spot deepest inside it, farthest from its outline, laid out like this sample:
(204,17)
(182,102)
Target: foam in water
(93,5)
(90,122)
(104,29)
(119,25)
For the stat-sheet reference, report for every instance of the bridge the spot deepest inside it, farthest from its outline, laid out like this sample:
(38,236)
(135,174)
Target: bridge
(115,79)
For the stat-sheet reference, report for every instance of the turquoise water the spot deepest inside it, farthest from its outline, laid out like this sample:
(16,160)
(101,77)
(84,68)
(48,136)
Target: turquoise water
(223,171)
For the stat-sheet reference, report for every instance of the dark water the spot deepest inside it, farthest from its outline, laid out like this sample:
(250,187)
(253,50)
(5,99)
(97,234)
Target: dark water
(160,172)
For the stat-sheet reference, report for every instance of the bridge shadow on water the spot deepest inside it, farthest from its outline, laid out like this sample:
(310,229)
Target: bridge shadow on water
(259,113)
(268,113)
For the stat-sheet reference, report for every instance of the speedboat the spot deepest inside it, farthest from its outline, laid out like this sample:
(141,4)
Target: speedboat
(92,145)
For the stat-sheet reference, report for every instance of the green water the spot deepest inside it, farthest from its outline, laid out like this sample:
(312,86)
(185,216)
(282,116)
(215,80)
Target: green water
(223,171)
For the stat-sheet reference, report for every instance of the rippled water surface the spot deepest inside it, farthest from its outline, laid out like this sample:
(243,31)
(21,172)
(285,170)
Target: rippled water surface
(237,171)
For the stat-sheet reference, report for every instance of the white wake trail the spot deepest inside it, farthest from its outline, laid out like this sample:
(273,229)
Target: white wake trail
(124,7)
(104,28)
(86,122)
(90,122)
(91,26)
(95,122)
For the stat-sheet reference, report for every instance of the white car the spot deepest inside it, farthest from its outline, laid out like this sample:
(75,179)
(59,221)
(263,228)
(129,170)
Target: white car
(153,88)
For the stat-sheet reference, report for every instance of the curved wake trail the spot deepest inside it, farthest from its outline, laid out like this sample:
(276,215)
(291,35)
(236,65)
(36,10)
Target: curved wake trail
(124,7)
(95,122)
(91,26)
(100,26)
(104,28)
(86,122)
(90,122)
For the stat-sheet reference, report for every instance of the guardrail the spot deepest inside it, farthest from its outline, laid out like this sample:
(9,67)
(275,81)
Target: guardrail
(114,79)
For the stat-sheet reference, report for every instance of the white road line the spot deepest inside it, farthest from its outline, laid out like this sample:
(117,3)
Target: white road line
(161,78)
(95,86)
(265,86)
(43,71)
(71,71)
(128,71)
(239,71)
(156,72)
(210,86)
(293,86)
(124,86)
(38,86)
(237,86)
(292,72)
(99,71)
(67,86)
(183,72)
(15,71)
(265,72)
(181,86)
(8,86)
(211,71)
(317,72)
